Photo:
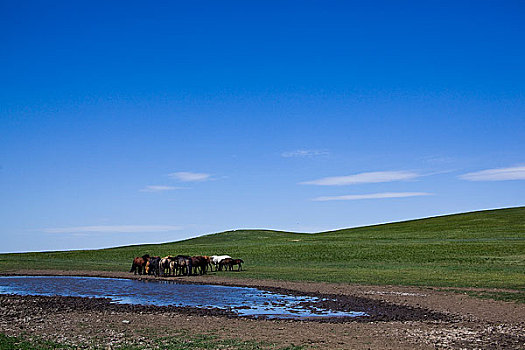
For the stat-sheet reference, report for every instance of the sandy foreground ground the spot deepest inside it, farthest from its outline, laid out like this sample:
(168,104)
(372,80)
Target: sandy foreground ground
(406,318)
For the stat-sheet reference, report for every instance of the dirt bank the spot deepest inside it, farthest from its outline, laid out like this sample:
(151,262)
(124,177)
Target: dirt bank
(401,318)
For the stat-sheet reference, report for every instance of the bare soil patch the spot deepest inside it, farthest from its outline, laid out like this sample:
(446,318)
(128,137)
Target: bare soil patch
(401,318)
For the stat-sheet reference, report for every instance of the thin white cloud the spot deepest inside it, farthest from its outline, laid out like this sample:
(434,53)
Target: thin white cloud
(436,159)
(362,178)
(383,195)
(498,174)
(155,188)
(186,176)
(114,229)
(303,153)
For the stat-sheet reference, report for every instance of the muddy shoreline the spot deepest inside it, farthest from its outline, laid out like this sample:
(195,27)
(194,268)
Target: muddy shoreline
(400,317)
(377,310)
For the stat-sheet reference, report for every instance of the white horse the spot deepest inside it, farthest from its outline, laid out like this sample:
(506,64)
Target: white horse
(164,266)
(216,259)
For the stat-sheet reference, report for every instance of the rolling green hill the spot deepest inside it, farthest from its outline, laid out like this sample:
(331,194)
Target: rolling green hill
(479,249)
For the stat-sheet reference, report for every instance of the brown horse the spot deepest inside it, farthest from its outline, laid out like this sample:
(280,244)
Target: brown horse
(209,262)
(199,264)
(139,263)
(226,263)
(237,262)
(229,263)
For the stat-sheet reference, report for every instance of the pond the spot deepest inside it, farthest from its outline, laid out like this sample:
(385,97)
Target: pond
(244,301)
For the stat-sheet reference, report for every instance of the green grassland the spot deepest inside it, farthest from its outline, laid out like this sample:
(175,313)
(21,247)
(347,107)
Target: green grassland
(480,249)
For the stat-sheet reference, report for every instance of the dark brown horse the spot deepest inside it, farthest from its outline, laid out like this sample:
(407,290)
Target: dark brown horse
(139,263)
(237,262)
(229,263)
(226,263)
(199,264)
(152,266)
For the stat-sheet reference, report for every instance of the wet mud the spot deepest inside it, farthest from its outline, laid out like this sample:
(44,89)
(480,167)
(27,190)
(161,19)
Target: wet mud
(377,310)
(95,294)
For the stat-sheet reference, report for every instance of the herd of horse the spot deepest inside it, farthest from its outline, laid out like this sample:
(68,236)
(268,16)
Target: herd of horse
(183,265)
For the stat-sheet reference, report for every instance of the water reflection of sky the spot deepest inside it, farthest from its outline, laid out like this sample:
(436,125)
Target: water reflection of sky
(244,301)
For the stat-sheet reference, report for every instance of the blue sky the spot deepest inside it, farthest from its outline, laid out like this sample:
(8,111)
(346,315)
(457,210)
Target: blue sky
(126,122)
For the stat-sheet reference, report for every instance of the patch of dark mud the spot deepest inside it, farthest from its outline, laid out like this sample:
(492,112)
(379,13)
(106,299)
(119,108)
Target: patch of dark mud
(64,304)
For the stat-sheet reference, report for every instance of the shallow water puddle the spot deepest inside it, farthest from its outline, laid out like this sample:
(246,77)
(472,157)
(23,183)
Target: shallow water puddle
(243,301)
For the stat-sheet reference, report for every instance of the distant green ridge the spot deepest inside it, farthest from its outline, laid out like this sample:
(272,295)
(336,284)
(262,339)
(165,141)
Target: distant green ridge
(478,249)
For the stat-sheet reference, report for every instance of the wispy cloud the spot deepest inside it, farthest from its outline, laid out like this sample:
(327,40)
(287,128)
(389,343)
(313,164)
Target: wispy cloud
(155,188)
(303,153)
(498,174)
(186,176)
(352,197)
(436,159)
(114,229)
(362,178)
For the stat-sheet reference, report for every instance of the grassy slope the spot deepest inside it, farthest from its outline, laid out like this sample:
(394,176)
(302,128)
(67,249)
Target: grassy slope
(480,249)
